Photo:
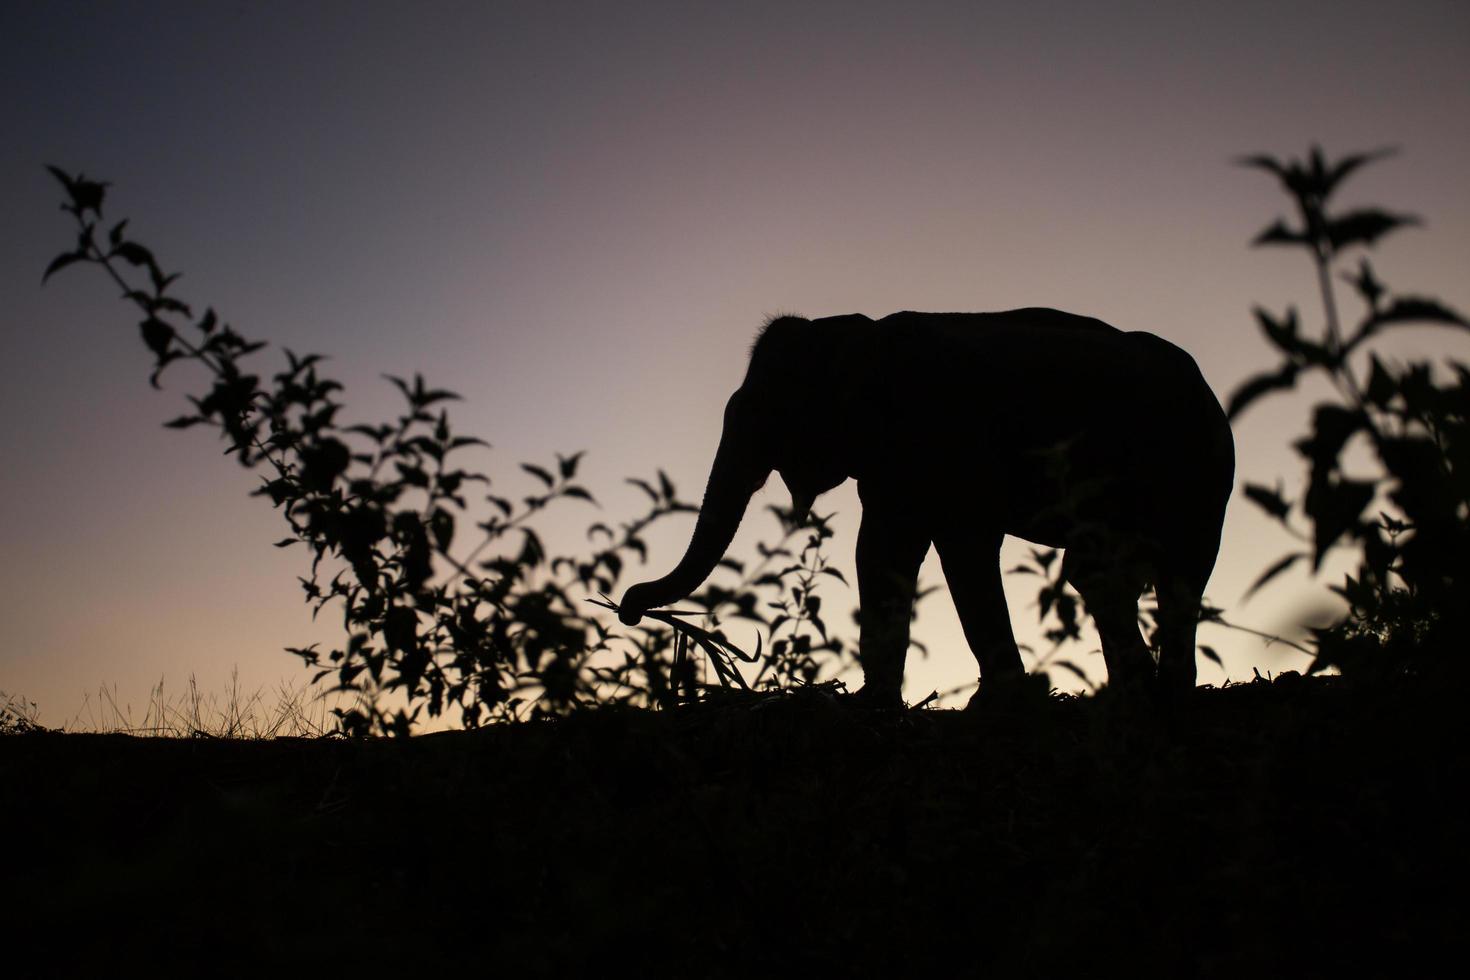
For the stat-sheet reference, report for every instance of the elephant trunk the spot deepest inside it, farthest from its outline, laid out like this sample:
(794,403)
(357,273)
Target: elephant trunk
(738,472)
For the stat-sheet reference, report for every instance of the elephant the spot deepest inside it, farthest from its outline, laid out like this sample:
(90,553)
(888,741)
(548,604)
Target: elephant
(961,428)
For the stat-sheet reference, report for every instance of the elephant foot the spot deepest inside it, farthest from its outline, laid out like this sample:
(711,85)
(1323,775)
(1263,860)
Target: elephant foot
(1175,680)
(1141,690)
(1010,691)
(877,698)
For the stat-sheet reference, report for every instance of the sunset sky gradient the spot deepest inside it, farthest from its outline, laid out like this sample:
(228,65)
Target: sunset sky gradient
(577,215)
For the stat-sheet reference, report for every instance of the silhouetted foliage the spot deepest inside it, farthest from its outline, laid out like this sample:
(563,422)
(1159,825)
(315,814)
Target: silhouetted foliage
(486,631)
(1410,521)
(17,715)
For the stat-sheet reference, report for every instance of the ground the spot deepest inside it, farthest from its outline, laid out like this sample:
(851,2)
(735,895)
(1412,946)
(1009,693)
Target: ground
(1305,827)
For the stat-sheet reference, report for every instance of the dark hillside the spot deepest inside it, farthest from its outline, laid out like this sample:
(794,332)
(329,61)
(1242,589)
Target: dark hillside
(1297,828)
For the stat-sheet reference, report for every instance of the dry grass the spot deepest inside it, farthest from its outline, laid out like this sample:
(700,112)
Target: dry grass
(17,714)
(287,711)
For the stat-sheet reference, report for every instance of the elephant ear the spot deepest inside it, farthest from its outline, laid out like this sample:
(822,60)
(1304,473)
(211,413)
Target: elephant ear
(847,349)
(794,357)
(807,386)
(781,354)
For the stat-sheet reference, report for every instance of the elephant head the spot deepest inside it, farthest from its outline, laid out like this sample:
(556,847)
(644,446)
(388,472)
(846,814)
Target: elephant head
(786,416)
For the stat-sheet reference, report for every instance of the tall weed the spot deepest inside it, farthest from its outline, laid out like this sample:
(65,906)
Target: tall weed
(1409,522)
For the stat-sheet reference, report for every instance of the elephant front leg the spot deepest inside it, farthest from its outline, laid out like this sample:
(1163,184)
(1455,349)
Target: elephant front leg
(971,560)
(890,550)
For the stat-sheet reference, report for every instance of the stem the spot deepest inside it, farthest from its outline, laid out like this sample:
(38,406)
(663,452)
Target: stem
(1270,638)
(1341,373)
(1323,259)
(214,366)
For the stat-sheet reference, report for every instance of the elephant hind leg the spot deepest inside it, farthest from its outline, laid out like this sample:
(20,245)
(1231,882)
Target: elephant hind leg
(1179,596)
(1111,592)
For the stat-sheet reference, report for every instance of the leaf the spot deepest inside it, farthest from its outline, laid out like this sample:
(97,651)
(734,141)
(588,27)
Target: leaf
(1414,309)
(1364,227)
(183,422)
(61,175)
(579,492)
(1312,183)
(61,262)
(400,629)
(322,463)
(1367,284)
(1285,336)
(1340,170)
(285,542)
(1425,492)
(416,556)
(1275,570)
(1335,506)
(170,304)
(1382,385)
(1278,234)
(134,254)
(568,464)
(401,385)
(1282,333)
(1268,500)
(1332,427)
(85,195)
(441,523)
(645,487)
(157,335)
(835,574)
(1264,161)
(1209,654)
(1261,384)
(1295,178)
(666,486)
(414,476)
(539,473)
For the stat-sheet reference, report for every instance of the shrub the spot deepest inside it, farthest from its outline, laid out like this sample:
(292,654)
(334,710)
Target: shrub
(491,632)
(1409,522)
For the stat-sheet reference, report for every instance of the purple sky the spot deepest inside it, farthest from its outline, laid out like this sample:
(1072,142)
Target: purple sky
(577,216)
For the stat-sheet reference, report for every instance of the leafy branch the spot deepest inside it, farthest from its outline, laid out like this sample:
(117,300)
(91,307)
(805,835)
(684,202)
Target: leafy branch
(1411,523)
(483,631)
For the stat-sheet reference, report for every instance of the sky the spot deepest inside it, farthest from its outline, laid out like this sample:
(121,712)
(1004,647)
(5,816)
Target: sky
(578,215)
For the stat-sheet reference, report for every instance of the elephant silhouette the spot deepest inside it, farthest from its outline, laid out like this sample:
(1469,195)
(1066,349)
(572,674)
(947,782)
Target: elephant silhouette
(961,428)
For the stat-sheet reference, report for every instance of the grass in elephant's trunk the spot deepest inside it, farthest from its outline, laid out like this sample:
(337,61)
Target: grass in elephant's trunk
(721,652)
